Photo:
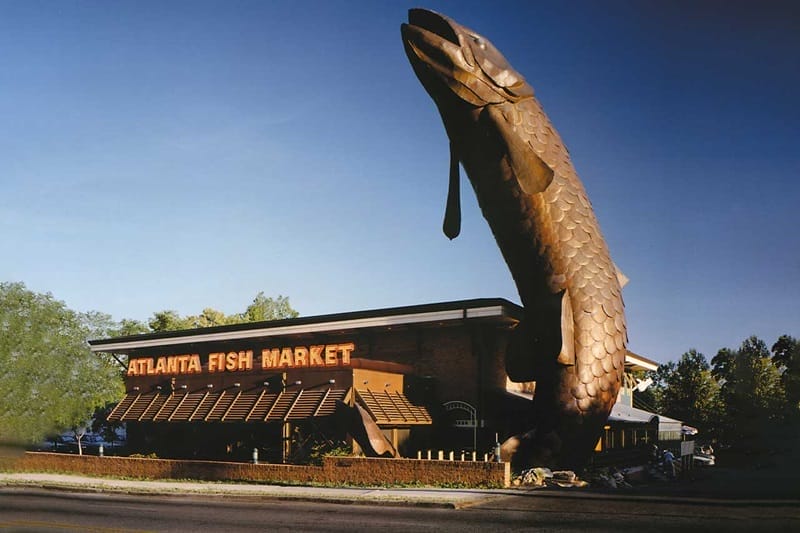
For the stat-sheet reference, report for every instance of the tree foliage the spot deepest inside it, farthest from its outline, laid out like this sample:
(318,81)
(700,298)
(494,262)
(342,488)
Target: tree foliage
(49,379)
(262,308)
(689,391)
(752,392)
(747,397)
(786,356)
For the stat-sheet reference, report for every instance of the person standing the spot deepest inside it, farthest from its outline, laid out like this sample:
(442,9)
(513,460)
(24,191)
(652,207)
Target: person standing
(669,464)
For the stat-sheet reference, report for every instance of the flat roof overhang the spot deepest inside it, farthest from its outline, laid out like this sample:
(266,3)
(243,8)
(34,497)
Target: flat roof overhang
(637,362)
(494,309)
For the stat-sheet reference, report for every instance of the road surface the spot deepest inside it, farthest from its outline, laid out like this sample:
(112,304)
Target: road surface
(27,509)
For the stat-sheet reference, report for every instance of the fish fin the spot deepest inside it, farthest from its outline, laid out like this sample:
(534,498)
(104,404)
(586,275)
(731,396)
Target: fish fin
(543,337)
(621,277)
(452,213)
(362,428)
(532,173)
(520,354)
(567,354)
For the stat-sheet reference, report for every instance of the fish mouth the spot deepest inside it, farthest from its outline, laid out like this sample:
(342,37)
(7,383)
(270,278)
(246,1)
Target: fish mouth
(432,45)
(434,23)
(441,51)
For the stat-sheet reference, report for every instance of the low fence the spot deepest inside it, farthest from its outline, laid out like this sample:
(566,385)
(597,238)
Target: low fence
(334,470)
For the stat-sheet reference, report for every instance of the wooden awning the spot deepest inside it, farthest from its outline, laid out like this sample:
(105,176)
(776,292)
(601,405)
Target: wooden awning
(226,406)
(392,408)
(387,408)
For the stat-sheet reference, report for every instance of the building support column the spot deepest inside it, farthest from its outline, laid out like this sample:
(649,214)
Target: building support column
(286,437)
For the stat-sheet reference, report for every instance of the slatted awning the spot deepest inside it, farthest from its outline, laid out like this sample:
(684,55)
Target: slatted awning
(387,408)
(392,408)
(226,406)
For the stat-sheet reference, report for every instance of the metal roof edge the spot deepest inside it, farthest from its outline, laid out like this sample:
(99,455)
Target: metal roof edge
(406,315)
(638,360)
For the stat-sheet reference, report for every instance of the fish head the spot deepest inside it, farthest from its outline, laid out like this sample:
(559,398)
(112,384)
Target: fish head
(469,79)
(458,65)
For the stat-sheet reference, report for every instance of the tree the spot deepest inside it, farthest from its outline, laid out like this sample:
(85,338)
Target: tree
(168,320)
(49,379)
(652,398)
(690,393)
(128,326)
(210,317)
(786,356)
(752,394)
(262,308)
(722,365)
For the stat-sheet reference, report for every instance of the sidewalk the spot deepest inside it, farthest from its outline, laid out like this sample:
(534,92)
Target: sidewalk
(428,497)
(720,489)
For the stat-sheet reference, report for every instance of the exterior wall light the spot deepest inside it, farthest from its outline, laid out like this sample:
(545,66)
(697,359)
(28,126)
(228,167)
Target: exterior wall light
(210,386)
(136,388)
(183,387)
(237,384)
(158,387)
(298,382)
(331,381)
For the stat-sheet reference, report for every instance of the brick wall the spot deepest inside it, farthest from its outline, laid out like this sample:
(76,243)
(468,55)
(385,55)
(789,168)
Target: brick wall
(345,470)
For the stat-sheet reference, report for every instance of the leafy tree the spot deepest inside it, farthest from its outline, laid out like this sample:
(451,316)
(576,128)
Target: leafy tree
(262,308)
(168,320)
(690,393)
(752,393)
(786,356)
(784,351)
(129,326)
(210,317)
(50,380)
(722,365)
(652,398)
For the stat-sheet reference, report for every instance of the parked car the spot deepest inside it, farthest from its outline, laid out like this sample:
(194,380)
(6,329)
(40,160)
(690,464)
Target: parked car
(704,456)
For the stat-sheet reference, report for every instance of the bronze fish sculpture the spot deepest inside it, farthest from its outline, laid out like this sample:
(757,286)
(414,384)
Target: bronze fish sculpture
(572,338)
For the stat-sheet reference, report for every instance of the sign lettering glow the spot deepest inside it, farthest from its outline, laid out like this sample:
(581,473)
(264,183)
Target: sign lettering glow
(316,356)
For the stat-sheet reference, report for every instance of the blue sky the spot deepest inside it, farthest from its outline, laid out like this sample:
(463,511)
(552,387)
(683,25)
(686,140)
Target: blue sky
(182,155)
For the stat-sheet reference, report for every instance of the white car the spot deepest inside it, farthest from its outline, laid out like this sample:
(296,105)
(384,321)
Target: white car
(704,459)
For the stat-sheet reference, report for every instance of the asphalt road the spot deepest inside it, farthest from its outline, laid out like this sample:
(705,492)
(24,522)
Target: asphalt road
(24,509)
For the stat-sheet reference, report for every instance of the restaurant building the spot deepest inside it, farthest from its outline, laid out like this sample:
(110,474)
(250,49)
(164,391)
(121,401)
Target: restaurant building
(426,377)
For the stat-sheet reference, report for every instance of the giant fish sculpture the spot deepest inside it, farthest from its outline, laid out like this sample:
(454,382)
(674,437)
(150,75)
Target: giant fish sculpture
(571,340)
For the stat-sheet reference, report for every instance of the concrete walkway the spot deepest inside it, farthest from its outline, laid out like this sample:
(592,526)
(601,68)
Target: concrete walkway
(722,487)
(429,497)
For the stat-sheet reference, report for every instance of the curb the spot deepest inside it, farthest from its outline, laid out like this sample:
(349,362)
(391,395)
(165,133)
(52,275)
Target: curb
(262,492)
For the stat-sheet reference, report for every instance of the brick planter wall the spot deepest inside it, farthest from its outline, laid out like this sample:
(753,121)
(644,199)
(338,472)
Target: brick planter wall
(345,470)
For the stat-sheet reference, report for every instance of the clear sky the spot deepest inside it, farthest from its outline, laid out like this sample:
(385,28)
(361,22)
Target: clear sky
(182,155)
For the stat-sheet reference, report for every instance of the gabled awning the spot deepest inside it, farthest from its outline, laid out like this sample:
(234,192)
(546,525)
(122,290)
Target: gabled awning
(387,408)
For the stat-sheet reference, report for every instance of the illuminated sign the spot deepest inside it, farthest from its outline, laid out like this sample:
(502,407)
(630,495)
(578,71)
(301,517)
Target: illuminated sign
(312,356)
(173,364)
(316,356)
